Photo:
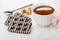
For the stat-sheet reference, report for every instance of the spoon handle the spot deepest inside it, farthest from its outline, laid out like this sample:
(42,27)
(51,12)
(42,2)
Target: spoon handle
(22,7)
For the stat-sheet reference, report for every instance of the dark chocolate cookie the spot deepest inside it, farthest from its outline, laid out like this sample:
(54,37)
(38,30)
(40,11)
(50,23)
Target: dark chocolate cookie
(19,23)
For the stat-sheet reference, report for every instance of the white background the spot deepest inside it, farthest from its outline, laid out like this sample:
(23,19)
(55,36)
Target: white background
(38,33)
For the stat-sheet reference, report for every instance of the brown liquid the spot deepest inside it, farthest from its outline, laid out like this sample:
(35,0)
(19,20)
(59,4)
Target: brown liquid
(44,11)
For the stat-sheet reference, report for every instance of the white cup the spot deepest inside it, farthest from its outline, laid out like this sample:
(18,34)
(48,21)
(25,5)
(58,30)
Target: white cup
(43,20)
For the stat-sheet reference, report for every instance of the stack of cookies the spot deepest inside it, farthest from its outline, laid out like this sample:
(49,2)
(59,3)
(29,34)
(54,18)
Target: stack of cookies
(19,23)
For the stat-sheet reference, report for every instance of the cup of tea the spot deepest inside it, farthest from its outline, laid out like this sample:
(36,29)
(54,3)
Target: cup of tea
(43,14)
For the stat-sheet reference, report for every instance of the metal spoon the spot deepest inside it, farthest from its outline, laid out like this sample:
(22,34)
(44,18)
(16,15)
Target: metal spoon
(11,12)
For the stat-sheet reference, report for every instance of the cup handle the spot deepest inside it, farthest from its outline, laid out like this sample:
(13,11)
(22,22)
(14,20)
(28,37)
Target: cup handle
(56,20)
